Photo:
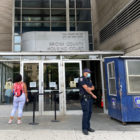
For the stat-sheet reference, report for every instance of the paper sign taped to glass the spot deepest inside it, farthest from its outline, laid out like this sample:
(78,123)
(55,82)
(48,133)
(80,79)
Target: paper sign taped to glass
(72,84)
(52,84)
(33,84)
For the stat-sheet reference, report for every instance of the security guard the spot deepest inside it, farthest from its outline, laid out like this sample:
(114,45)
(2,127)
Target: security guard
(86,87)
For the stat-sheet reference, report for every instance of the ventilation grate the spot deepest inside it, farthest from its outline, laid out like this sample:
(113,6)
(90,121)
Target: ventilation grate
(127,16)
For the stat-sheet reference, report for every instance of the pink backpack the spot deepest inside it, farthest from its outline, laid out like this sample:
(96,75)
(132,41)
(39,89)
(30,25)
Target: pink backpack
(18,89)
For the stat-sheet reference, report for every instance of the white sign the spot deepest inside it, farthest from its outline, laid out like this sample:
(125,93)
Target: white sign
(33,84)
(76,80)
(52,84)
(55,41)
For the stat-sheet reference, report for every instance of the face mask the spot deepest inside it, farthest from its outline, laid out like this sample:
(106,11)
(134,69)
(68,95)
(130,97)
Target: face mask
(88,75)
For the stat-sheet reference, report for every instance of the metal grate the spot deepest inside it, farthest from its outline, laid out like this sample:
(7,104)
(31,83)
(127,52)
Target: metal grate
(127,16)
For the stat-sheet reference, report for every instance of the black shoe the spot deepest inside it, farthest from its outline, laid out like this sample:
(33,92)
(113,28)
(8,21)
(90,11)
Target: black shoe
(91,130)
(85,132)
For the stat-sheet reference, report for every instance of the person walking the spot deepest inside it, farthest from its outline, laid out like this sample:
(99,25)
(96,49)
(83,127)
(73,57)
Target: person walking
(20,97)
(86,87)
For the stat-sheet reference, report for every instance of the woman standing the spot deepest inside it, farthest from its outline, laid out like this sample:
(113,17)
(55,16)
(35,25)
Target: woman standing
(20,97)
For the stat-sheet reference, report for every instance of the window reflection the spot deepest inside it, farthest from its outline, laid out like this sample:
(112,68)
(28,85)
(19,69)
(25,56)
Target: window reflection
(72,73)
(8,70)
(58,4)
(50,15)
(36,3)
(83,3)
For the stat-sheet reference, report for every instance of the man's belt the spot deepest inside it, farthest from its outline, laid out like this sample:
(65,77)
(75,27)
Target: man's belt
(85,96)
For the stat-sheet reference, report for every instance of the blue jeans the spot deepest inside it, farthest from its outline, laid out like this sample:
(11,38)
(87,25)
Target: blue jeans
(7,99)
(87,112)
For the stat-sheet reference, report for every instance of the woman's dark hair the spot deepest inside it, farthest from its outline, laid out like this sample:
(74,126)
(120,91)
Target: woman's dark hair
(18,78)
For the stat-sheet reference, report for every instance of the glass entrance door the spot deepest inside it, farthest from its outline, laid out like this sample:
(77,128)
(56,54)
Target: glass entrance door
(42,79)
(72,71)
(31,78)
(51,85)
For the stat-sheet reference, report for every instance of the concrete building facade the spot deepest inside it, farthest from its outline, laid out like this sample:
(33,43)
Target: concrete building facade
(96,24)
(127,38)
(6,14)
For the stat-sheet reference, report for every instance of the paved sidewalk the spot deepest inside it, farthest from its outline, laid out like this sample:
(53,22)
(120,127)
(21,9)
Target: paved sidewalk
(69,128)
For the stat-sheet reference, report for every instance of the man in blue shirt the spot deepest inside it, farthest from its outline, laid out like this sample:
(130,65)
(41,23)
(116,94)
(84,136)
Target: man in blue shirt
(86,87)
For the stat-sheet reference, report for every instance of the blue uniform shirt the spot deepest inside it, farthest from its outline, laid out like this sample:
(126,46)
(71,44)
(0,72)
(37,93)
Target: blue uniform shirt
(84,81)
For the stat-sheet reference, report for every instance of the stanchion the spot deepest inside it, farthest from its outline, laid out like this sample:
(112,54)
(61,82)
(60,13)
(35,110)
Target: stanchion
(34,109)
(55,115)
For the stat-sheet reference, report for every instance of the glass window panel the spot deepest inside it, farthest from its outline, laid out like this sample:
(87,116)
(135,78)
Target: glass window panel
(17,3)
(83,3)
(134,84)
(7,70)
(47,24)
(111,78)
(39,15)
(29,18)
(112,86)
(133,67)
(84,26)
(58,4)
(72,26)
(71,3)
(31,74)
(83,15)
(34,26)
(72,72)
(111,68)
(42,13)
(58,15)
(91,47)
(90,38)
(17,48)
(72,15)
(58,26)
(17,14)
(36,3)
(51,74)
(17,39)
(17,27)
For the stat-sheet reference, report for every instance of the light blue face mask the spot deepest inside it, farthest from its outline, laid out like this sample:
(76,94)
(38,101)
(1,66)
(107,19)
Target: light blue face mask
(88,75)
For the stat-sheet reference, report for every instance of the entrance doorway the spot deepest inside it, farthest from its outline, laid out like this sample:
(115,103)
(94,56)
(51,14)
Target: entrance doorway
(44,79)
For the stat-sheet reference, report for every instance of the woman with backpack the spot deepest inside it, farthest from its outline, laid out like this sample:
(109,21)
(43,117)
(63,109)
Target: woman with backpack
(20,94)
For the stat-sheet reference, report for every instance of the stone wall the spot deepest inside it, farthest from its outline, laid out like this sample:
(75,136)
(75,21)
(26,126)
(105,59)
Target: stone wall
(6,25)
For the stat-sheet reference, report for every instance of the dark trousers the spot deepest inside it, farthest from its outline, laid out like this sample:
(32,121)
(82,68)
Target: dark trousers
(87,112)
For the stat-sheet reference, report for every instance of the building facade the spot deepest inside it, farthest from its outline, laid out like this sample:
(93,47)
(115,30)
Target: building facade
(6,18)
(50,42)
(117,25)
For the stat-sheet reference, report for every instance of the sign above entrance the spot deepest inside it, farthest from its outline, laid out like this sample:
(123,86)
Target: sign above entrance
(55,41)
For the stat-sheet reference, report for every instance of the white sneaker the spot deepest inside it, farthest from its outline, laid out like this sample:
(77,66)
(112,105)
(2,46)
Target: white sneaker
(10,121)
(19,122)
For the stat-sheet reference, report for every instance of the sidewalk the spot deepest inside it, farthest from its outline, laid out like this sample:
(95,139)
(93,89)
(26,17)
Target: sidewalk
(69,128)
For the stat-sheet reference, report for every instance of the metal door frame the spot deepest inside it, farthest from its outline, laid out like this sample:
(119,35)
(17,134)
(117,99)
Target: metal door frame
(42,87)
(22,62)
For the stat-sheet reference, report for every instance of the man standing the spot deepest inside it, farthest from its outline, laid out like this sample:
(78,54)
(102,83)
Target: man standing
(86,87)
